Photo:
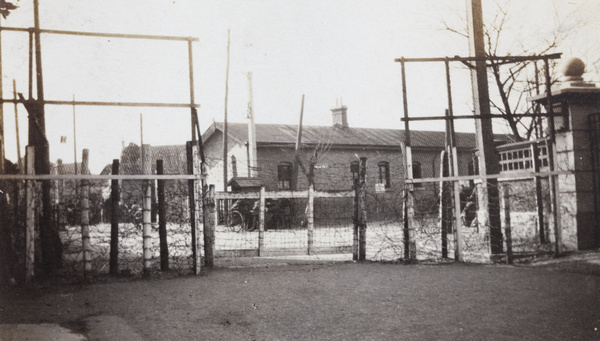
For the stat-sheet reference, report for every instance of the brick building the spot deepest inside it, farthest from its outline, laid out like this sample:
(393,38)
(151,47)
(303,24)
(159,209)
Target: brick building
(338,146)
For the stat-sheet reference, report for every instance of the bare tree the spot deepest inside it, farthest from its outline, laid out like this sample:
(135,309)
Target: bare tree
(316,153)
(515,81)
(6,7)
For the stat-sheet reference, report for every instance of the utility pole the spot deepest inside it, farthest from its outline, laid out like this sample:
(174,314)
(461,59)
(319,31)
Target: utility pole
(2,156)
(488,159)
(251,132)
(225,123)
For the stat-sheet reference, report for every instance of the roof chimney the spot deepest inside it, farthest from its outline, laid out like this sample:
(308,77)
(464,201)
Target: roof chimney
(340,116)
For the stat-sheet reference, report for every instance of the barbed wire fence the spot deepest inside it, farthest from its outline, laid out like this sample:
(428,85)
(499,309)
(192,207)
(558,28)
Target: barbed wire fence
(291,226)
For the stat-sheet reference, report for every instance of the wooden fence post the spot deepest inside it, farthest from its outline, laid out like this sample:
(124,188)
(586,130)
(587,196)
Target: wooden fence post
(362,211)
(209,209)
(85,215)
(355,170)
(507,228)
(114,220)
(261,222)
(458,240)
(539,199)
(310,217)
(162,218)
(147,209)
(30,202)
(191,148)
(445,203)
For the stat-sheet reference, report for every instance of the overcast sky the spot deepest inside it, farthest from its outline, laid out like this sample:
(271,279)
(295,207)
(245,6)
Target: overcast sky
(328,50)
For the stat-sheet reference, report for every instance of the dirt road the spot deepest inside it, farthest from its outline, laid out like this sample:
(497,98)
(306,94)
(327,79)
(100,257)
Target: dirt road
(352,301)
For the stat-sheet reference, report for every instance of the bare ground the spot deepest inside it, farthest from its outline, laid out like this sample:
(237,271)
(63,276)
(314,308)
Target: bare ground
(332,301)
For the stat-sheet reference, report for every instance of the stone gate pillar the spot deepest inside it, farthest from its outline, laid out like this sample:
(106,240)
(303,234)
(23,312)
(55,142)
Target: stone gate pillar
(578,203)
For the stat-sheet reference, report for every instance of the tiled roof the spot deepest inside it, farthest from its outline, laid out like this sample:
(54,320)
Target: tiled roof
(372,137)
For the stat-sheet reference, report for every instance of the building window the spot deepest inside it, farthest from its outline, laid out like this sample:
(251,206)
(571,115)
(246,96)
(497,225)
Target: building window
(417,173)
(284,175)
(355,169)
(384,174)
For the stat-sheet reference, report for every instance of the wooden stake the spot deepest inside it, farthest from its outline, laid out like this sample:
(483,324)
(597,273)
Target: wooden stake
(85,216)
(209,208)
(162,219)
(457,211)
(114,221)
(30,231)
(310,217)
(261,222)
(539,199)
(362,211)
(191,149)
(507,228)
(147,210)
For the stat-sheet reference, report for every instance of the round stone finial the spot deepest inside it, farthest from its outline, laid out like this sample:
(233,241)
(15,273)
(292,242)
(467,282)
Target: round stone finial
(572,67)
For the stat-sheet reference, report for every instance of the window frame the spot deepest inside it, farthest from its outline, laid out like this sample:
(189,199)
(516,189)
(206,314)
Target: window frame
(384,175)
(417,174)
(284,182)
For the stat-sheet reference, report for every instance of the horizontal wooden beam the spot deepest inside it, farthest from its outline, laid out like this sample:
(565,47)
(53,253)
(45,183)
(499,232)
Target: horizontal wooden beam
(99,177)
(513,59)
(283,195)
(100,34)
(510,175)
(114,104)
(462,117)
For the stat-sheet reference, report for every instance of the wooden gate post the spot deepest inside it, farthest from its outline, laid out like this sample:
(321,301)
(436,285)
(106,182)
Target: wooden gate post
(162,218)
(209,226)
(261,222)
(30,202)
(85,215)
(114,220)
(310,217)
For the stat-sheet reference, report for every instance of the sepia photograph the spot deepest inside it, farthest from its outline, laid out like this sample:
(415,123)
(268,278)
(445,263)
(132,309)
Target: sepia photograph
(299,170)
